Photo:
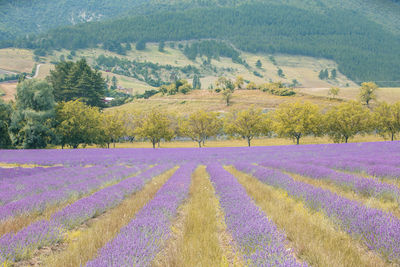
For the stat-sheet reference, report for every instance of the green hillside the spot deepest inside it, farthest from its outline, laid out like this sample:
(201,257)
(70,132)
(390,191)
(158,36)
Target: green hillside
(363,49)
(26,17)
(141,70)
(362,37)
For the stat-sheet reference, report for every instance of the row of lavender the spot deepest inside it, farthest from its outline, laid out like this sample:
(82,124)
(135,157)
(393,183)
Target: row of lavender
(366,186)
(14,247)
(44,192)
(260,241)
(15,172)
(385,168)
(380,154)
(139,242)
(379,230)
(24,186)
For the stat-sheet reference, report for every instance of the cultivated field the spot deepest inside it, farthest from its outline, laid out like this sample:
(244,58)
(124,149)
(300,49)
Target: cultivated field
(8,91)
(312,205)
(16,60)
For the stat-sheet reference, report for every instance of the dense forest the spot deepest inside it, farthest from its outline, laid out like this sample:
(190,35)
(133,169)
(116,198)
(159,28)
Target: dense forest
(363,49)
(18,18)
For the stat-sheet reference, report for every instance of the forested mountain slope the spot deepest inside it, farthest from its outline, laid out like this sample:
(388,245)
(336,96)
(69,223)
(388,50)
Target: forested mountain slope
(361,36)
(364,50)
(26,16)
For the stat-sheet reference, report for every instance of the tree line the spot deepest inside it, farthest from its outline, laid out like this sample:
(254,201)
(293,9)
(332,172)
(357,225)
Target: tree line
(36,121)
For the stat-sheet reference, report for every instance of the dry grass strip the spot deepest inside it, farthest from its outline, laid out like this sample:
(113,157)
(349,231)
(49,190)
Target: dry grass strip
(16,223)
(312,235)
(377,203)
(199,236)
(84,243)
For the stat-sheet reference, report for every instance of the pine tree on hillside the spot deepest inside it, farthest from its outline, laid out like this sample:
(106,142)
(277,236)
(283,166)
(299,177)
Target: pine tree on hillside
(333,74)
(161,46)
(77,80)
(141,45)
(323,74)
(326,74)
(196,82)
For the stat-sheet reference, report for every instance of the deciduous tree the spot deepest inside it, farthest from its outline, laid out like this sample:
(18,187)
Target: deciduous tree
(239,82)
(154,126)
(113,126)
(227,87)
(368,92)
(248,124)
(295,120)
(334,92)
(344,121)
(201,125)
(387,119)
(5,120)
(31,121)
(77,123)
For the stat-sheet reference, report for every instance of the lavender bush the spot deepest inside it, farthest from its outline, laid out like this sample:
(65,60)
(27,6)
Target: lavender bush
(16,246)
(361,185)
(379,230)
(261,243)
(61,189)
(138,243)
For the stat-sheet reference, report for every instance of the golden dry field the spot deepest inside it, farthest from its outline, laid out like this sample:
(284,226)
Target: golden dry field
(275,141)
(387,94)
(9,90)
(16,60)
(211,101)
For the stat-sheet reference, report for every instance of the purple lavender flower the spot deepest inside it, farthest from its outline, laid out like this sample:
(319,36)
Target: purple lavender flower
(261,242)
(42,192)
(379,230)
(138,243)
(361,185)
(18,245)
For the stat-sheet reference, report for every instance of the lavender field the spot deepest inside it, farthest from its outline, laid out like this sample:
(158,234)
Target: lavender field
(311,205)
